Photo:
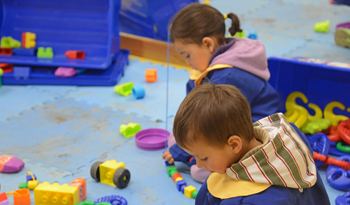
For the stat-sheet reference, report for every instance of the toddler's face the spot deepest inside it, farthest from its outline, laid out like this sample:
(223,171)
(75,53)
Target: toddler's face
(197,56)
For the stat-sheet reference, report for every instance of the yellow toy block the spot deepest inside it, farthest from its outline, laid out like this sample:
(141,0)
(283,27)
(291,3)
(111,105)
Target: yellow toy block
(178,179)
(189,190)
(55,194)
(28,40)
(107,170)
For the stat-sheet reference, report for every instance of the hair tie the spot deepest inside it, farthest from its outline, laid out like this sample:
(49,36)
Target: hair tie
(225,16)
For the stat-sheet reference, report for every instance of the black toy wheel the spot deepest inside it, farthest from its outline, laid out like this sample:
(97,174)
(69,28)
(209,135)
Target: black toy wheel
(121,178)
(95,171)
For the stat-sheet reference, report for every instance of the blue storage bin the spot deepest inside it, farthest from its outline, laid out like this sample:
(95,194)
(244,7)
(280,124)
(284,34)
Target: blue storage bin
(149,18)
(320,83)
(87,25)
(90,77)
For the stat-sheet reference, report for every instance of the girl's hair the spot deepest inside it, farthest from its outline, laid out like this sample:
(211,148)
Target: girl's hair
(196,21)
(212,113)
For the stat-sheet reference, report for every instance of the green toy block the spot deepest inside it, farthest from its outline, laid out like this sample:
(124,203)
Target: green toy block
(86,203)
(23,186)
(322,27)
(104,203)
(170,170)
(314,126)
(124,89)
(130,129)
(9,42)
(194,194)
(44,52)
(240,34)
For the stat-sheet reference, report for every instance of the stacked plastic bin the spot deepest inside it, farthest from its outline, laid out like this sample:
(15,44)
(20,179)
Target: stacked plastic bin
(149,18)
(60,28)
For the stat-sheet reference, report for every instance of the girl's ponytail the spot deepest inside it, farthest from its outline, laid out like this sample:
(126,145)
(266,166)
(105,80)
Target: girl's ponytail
(236,26)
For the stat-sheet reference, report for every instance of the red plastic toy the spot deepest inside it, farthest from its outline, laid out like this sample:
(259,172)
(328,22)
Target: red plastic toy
(75,54)
(331,161)
(6,51)
(344,130)
(7,68)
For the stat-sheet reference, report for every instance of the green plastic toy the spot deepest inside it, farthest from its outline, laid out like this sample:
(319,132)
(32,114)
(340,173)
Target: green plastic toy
(171,170)
(104,203)
(23,186)
(194,194)
(9,42)
(240,34)
(86,203)
(1,72)
(44,52)
(124,89)
(322,27)
(311,127)
(130,129)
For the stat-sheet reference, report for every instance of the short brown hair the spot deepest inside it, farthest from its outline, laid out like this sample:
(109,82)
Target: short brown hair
(213,112)
(196,21)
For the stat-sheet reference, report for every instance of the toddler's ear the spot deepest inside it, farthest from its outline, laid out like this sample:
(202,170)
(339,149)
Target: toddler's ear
(209,43)
(235,142)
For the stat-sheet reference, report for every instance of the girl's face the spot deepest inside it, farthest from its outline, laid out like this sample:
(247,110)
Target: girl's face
(197,56)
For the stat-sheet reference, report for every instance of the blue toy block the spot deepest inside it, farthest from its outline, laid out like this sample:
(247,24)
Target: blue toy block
(20,72)
(183,189)
(23,51)
(29,177)
(138,92)
(253,35)
(180,184)
(167,163)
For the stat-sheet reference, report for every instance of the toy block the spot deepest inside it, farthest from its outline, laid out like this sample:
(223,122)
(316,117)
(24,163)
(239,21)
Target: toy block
(253,35)
(20,72)
(75,54)
(21,197)
(130,129)
(81,184)
(183,189)
(151,75)
(28,40)
(44,52)
(175,176)
(107,170)
(170,169)
(322,27)
(3,196)
(124,89)
(138,92)
(179,184)
(46,193)
(189,190)
(6,68)
(240,34)
(178,179)
(65,72)
(86,203)
(23,51)
(6,51)
(167,163)
(32,184)
(172,172)
(194,194)
(23,186)
(9,42)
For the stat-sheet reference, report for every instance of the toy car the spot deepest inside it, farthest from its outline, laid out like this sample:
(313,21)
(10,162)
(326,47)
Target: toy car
(111,172)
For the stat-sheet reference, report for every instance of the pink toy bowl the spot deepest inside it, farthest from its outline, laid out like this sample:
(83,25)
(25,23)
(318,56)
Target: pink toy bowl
(65,72)
(151,139)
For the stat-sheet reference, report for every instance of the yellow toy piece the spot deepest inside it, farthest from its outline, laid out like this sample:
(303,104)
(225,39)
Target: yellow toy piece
(55,194)
(189,190)
(124,89)
(107,170)
(318,112)
(328,112)
(178,179)
(32,184)
(28,40)
(130,129)
(296,113)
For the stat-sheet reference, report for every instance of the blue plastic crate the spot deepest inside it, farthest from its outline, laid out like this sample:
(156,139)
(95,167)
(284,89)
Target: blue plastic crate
(149,18)
(320,83)
(90,77)
(87,25)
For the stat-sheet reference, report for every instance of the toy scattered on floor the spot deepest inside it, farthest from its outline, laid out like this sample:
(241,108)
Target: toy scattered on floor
(31,181)
(6,51)
(337,176)
(9,42)
(111,172)
(20,197)
(322,27)
(44,52)
(240,34)
(75,54)
(113,199)
(130,129)
(343,199)
(151,75)
(65,72)
(24,185)
(313,126)
(342,35)
(28,40)
(253,35)
(86,203)
(48,194)
(151,139)
(9,164)
(124,89)
(138,92)
(189,191)
(80,183)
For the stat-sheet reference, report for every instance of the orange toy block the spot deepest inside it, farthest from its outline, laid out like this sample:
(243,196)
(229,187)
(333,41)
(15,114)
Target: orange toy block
(28,40)
(7,68)
(21,197)
(151,75)
(75,54)
(6,51)
(81,184)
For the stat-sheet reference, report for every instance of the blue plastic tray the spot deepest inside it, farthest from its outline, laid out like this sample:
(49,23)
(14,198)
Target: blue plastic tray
(87,25)
(149,18)
(320,83)
(90,77)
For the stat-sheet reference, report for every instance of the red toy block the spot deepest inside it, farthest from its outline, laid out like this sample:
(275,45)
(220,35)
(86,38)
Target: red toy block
(6,51)
(175,176)
(151,75)
(3,196)
(7,68)
(75,54)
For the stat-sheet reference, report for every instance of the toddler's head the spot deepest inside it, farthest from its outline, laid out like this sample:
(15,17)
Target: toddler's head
(198,30)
